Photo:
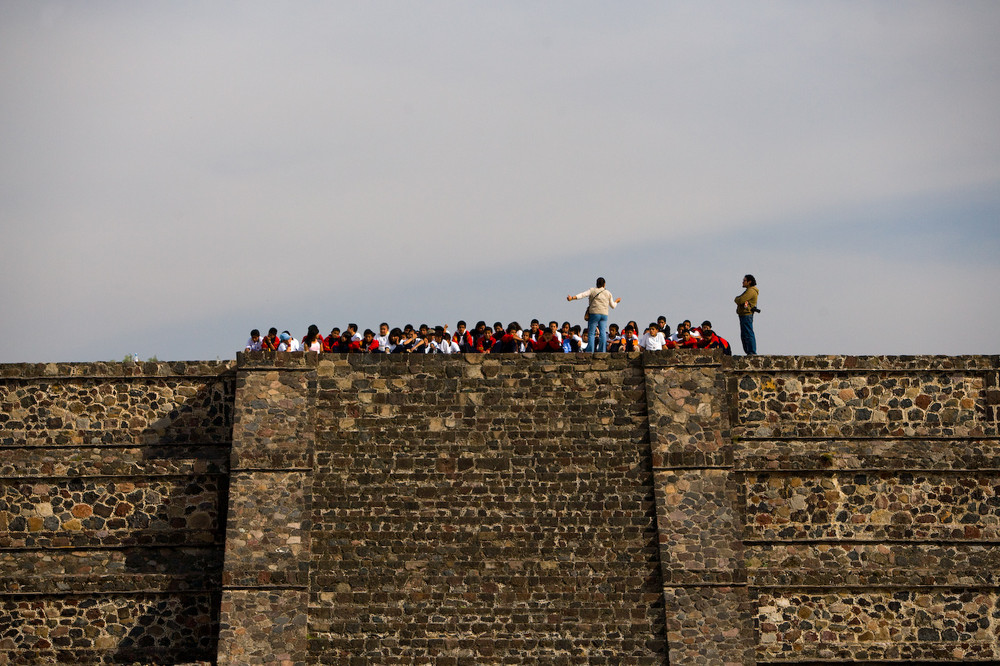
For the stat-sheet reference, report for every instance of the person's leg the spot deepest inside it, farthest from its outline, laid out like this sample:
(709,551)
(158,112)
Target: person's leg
(602,324)
(591,327)
(746,335)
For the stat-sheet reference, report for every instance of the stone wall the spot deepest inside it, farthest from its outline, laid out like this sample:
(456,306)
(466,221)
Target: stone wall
(113,493)
(870,493)
(483,510)
(681,506)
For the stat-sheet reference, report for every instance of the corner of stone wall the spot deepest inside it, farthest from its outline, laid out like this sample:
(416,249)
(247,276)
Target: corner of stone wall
(266,575)
(708,614)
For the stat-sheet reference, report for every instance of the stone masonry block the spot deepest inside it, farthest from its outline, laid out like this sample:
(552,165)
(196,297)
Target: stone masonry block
(709,625)
(263,627)
(273,427)
(688,417)
(699,525)
(921,403)
(267,540)
(864,624)
(873,506)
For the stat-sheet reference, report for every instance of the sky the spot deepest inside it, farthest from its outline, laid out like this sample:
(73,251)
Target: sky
(173,174)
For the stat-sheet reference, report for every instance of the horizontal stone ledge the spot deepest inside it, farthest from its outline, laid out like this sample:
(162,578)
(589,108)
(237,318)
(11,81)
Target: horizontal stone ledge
(127,538)
(670,468)
(244,470)
(264,588)
(103,586)
(808,587)
(855,364)
(114,370)
(849,541)
(139,477)
(743,437)
(168,436)
(177,656)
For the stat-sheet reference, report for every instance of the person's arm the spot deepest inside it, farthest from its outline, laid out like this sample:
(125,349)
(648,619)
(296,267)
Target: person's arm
(578,296)
(743,298)
(614,301)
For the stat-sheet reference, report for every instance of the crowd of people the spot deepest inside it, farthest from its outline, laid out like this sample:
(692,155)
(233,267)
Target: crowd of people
(484,339)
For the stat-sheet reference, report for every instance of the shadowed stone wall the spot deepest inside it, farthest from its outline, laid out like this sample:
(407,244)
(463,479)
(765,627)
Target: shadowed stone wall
(113,484)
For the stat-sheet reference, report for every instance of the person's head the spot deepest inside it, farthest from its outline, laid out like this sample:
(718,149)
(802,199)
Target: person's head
(383,329)
(352,328)
(285,336)
(613,329)
(665,329)
(684,335)
(680,327)
(749,281)
(687,324)
(446,336)
(313,330)
(600,282)
(408,328)
(633,325)
(565,327)
(661,321)
(271,332)
(497,327)
(575,330)
(706,327)
(460,326)
(395,335)
(334,332)
(512,327)
(480,327)
(553,326)
(534,326)
(255,335)
(654,328)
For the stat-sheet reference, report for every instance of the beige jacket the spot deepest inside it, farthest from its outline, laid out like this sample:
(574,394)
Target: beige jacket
(600,300)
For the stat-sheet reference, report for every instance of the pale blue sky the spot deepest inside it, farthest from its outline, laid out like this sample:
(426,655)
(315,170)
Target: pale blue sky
(174,174)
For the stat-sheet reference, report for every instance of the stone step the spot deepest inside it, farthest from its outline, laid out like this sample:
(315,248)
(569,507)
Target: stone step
(125,461)
(110,570)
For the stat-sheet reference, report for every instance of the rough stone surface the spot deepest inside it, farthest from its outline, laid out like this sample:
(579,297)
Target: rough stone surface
(862,402)
(484,509)
(113,486)
(263,626)
(872,624)
(708,625)
(595,509)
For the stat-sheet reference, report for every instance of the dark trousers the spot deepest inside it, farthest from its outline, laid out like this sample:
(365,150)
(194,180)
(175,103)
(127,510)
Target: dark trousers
(746,334)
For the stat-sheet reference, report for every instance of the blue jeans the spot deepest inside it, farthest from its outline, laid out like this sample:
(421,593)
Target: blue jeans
(600,322)
(746,334)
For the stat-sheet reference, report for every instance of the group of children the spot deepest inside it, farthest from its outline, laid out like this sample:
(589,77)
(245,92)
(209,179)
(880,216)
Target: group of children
(485,340)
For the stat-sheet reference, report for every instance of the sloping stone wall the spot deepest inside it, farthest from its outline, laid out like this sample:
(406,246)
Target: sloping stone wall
(871,500)
(113,492)
(681,507)
(484,510)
